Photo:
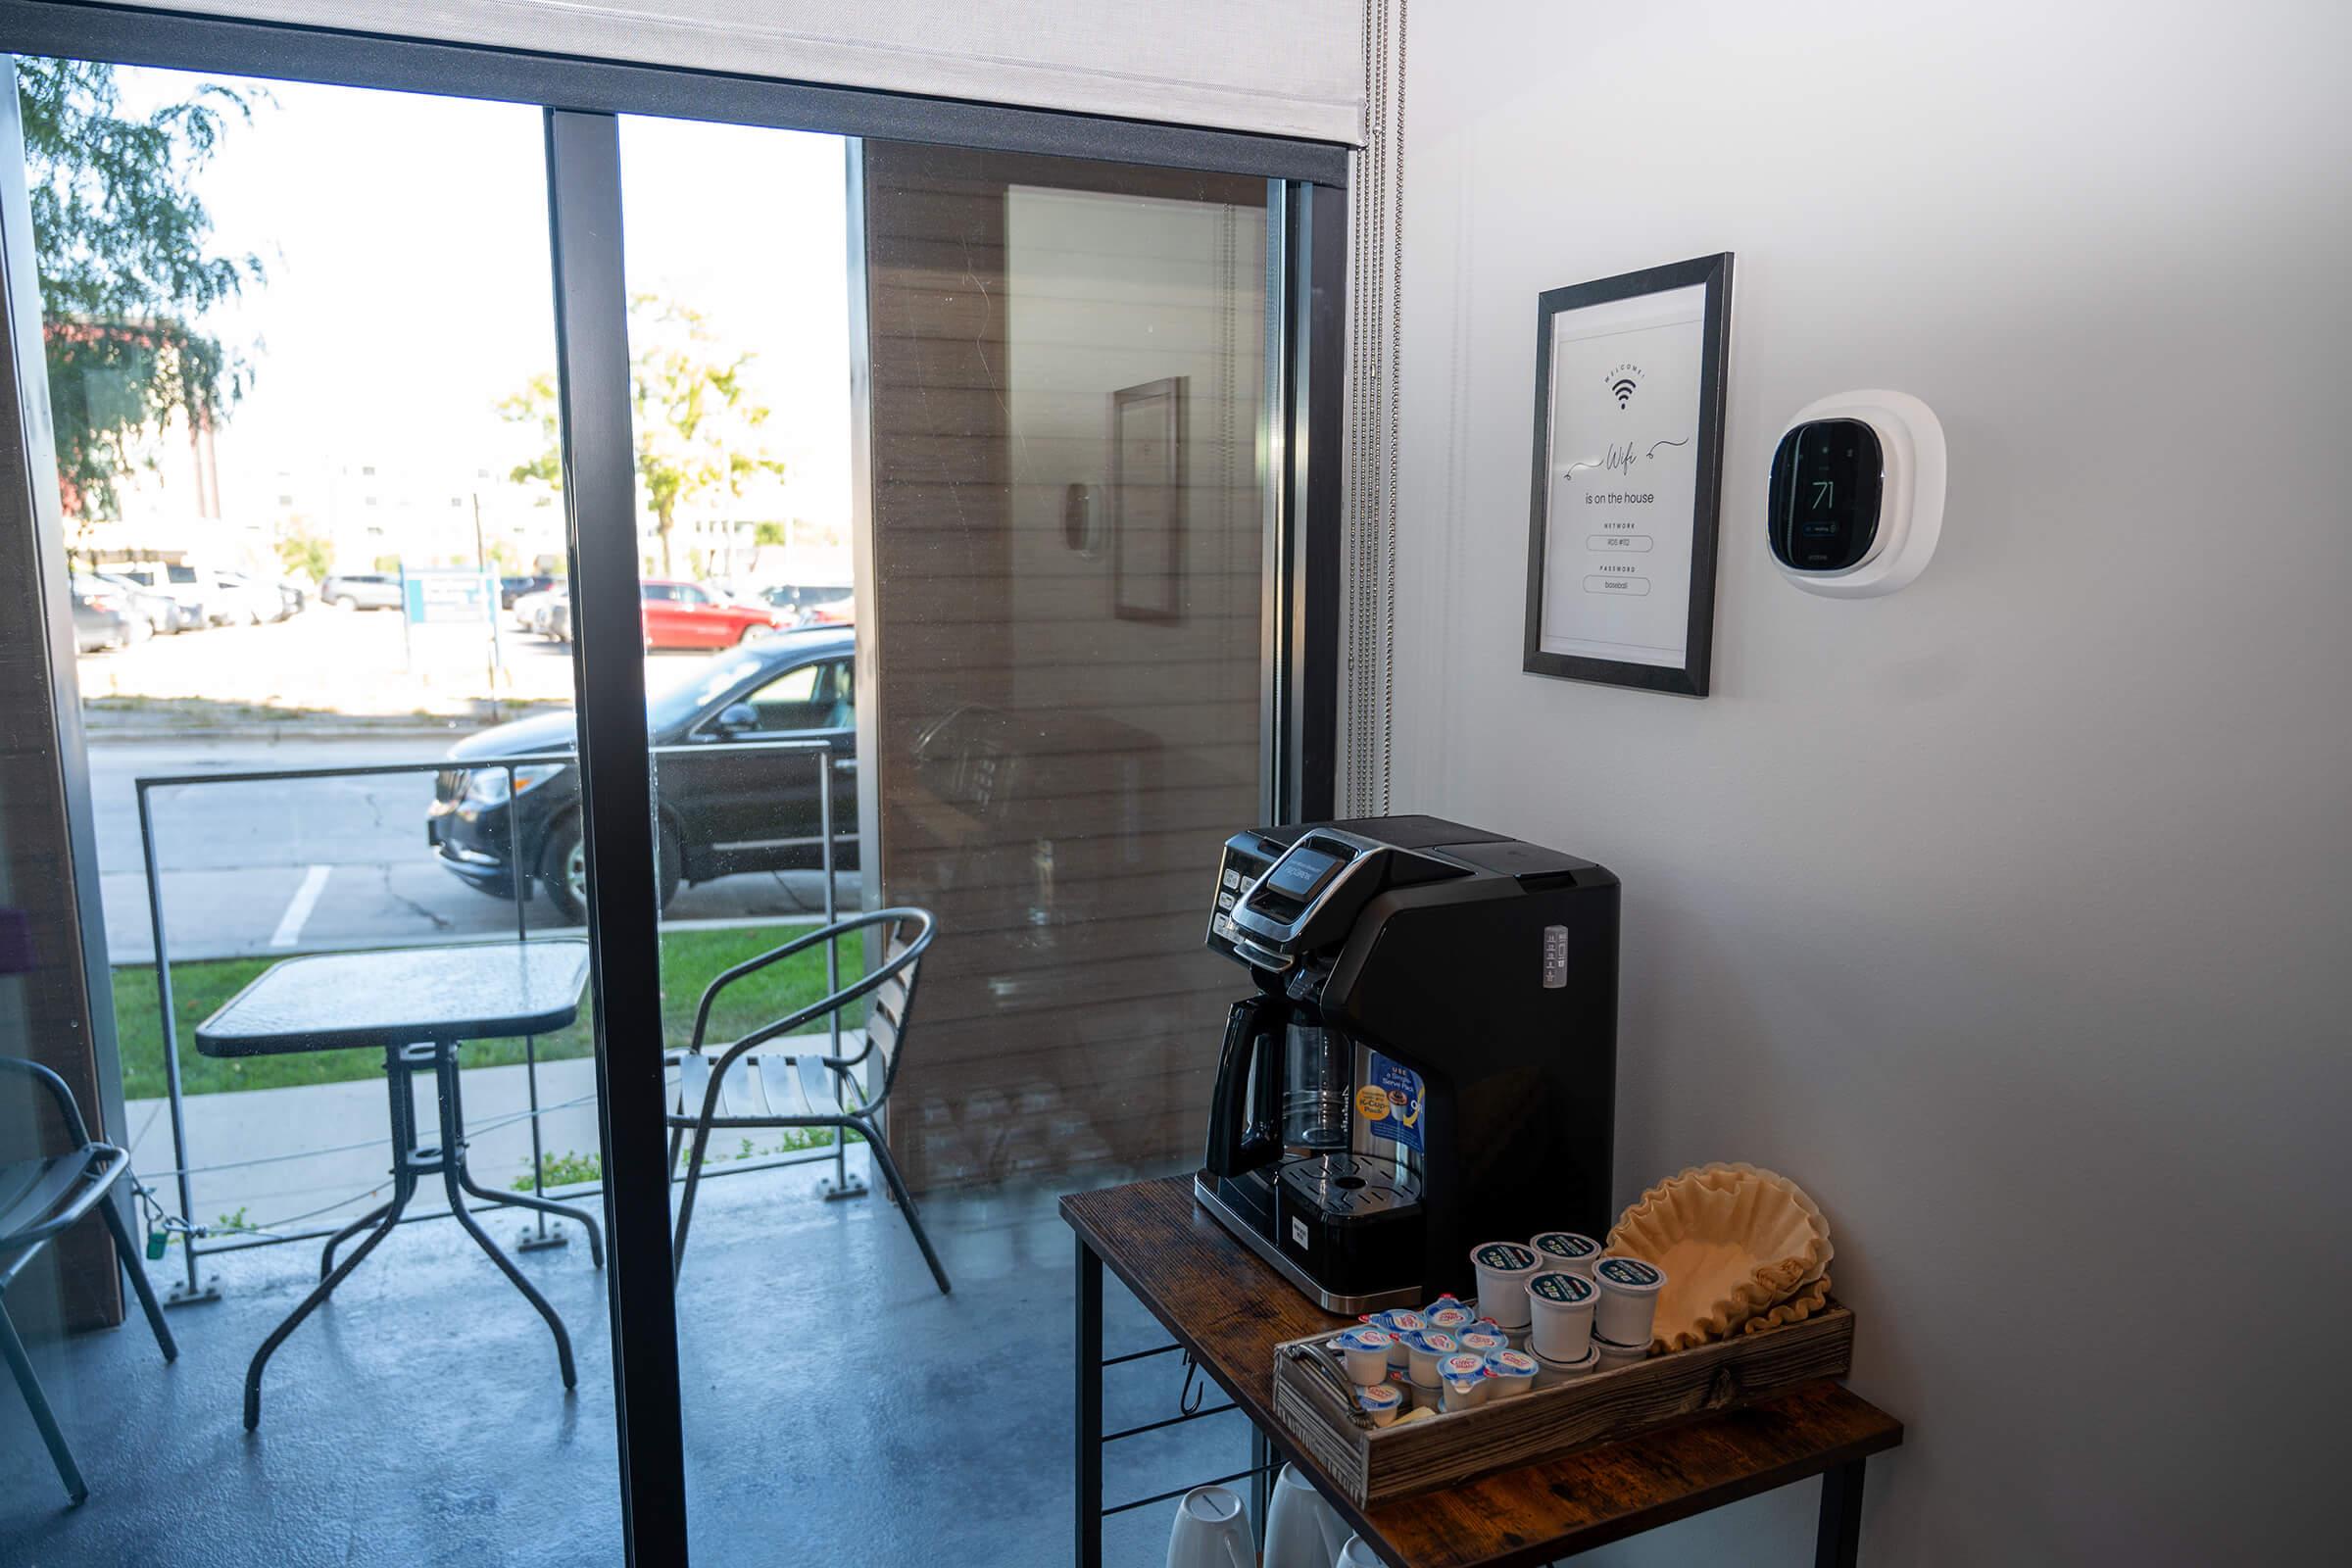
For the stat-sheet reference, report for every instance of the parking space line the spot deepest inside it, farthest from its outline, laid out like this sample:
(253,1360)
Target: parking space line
(299,907)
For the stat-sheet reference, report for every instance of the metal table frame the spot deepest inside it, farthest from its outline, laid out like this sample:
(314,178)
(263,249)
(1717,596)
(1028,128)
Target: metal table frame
(411,1160)
(412,1157)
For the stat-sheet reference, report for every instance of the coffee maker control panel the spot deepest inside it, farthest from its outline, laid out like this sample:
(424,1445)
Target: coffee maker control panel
(1272,899)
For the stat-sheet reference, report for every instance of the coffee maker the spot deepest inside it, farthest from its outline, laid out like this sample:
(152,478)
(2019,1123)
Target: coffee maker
(1429,1058)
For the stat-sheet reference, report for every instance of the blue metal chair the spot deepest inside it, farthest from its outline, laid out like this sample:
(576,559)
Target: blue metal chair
(39,1199)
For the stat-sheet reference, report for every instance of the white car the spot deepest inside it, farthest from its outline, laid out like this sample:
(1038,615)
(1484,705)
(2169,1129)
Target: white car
(244,601)
(534,612)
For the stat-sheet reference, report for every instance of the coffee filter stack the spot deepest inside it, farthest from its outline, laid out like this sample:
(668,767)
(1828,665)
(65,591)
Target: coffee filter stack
(1742,1250)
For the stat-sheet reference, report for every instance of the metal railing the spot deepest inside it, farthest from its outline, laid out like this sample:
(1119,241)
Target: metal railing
(193,1289)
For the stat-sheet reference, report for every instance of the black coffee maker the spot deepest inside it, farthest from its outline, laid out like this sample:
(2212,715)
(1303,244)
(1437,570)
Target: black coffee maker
(1430,1059)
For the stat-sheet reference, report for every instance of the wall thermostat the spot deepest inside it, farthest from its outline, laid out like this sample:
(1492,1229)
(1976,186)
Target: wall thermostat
(1857,494)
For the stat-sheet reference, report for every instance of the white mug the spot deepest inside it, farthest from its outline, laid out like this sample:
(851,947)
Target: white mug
(1357,1555)
(1211,1530)
(1301,1530)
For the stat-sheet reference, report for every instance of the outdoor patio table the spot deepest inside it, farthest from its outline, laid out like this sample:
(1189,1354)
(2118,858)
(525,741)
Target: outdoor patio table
(418,1005)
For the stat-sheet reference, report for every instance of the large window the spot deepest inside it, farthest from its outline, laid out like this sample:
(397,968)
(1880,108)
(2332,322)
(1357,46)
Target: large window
(919,520)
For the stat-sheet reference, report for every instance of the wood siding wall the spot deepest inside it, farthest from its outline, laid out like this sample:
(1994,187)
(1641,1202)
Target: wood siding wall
(1055,778)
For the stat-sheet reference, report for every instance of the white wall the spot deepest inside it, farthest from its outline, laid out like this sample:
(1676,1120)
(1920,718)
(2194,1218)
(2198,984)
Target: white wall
(2009,914)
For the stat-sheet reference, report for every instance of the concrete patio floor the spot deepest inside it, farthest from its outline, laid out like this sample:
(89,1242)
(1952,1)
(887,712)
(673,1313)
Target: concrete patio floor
(838,1409)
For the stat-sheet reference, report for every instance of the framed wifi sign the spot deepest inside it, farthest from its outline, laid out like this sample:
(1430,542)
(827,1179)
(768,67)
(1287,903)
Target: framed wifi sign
(1627,476)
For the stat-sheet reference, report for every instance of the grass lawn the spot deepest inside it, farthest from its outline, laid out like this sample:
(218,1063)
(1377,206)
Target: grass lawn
(690,959)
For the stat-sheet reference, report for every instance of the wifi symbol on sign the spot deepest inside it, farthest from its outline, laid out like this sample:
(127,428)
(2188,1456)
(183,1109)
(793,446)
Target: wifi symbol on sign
(1624,389)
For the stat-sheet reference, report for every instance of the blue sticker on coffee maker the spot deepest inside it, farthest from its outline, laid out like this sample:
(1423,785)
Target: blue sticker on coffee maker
(1399,1087)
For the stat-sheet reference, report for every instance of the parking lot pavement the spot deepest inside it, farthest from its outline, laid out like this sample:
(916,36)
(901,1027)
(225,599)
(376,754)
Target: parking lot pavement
(295,866)
(362,663)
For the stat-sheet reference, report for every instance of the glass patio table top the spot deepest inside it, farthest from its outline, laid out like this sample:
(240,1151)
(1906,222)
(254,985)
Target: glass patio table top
(401,995)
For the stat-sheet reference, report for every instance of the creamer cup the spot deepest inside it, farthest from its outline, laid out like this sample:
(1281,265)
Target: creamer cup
(1396,1323)
(1562,1303)
(1503,1269)
(1483,1338)
(1511,1372)
(1450,1319)
(1629,1299)
(1551,1374)
(1424,1350)
(1465,1393)
(1383,1402)
(1567,1249)
(1365,1349)
(1613,1355)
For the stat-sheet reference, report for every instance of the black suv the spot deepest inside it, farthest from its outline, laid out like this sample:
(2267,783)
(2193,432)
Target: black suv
(725,806)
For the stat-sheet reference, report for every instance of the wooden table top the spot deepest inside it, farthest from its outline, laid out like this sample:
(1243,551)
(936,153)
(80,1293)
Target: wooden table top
(1217,1299)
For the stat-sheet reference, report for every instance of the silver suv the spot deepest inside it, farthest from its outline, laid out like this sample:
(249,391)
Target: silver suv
(361,590)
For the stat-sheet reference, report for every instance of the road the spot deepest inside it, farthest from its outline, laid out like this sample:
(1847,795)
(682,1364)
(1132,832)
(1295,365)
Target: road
(298,865)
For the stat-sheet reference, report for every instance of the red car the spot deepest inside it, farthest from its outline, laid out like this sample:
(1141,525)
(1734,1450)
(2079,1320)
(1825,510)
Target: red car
(687,615)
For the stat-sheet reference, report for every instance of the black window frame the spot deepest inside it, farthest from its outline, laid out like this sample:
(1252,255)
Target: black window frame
(581,100)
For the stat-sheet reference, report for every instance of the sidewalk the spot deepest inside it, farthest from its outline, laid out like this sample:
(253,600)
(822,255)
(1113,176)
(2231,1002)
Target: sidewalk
(318,1155)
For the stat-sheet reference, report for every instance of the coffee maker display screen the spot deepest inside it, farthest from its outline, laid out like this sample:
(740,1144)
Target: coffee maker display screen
(1303,873)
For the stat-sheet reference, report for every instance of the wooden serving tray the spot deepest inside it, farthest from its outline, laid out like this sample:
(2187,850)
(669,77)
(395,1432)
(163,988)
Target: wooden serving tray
(1313,1402)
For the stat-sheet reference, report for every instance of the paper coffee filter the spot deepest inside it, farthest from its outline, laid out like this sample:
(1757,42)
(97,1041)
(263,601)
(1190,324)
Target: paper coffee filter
(1810,1297)
(1734,1243)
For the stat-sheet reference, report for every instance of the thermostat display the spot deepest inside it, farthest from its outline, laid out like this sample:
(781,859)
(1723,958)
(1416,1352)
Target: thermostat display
(1855,499)
(1826,486)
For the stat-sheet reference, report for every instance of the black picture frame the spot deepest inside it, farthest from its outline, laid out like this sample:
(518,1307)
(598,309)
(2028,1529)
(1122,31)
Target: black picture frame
(1714,273)
(1147,499)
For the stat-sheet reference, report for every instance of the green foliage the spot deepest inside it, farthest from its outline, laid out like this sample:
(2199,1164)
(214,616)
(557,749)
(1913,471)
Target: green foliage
(698,432)
(122,244)
(304,553)
(569,1169)
(764,534)
(385,563)
(566,1169)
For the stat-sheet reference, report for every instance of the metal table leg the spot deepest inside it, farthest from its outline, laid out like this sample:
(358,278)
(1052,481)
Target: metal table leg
(1262,1481)
(403,1187)
(1089,1407)
(1838,1540)
(453,1137)
(444,1058)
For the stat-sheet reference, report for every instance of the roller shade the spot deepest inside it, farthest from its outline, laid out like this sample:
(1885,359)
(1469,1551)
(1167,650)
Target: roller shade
(1289,68)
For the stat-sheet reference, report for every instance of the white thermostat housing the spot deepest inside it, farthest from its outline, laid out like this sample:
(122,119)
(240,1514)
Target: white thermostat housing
(1856,494)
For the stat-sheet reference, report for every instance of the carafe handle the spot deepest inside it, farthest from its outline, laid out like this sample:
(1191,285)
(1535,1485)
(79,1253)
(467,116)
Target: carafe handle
(1234,1148)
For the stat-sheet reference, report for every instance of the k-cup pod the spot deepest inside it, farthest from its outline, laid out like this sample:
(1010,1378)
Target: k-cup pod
(1396,1323)
(1383,1402)
(1511,1372)
(1424,1348)
(1365,1349)
(1463,1393)
(1629,1299)
(1503,1270)
(1566,1249)
(1562,1303)
(1613,1355)
(1483,1338)
(1551,1374)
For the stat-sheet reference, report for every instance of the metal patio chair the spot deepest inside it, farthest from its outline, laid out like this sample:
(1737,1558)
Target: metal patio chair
(740,1088)
(39,1199)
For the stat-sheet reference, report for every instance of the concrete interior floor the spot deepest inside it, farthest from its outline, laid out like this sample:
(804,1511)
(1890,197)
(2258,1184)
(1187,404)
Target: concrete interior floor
(838,1408)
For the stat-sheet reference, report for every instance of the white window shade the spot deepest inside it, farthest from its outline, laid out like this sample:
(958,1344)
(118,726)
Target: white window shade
(1290,68)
